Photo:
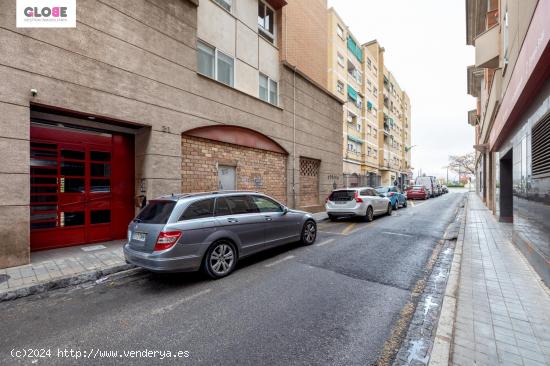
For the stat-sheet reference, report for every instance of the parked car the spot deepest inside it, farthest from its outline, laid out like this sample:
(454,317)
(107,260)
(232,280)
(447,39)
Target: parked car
(397,198)
(428,183)
(358,201)
(212,231)
(418,192)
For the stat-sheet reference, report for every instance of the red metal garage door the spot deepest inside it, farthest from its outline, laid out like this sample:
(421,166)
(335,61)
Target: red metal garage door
(81,186)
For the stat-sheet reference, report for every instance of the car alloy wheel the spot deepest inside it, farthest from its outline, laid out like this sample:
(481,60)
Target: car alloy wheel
(389,209)
(370,214)
(309,232)
(221,259)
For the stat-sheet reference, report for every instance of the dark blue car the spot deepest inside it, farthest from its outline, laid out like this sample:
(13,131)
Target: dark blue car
(397,198)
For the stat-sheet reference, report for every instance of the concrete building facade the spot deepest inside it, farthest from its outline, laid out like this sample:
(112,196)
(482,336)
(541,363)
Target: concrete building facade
(150,97)
(376,115)
(511,83)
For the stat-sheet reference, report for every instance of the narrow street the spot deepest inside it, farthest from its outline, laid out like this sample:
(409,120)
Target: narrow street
(334,302)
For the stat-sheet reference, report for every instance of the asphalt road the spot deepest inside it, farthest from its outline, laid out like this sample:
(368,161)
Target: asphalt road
(332,303)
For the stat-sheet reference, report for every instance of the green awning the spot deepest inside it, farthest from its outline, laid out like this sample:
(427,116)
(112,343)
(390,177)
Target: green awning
(352,93)
(355,49)
(355,139)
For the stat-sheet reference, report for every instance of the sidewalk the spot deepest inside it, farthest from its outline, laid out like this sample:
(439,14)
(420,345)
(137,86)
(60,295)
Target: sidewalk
(61,267)
(503,308)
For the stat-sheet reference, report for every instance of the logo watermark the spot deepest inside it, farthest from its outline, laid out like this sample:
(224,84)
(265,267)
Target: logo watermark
(46,14)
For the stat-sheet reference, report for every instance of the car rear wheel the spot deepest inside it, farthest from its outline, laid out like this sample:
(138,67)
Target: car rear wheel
(405,203)
(396,206)
(309,232)
(370,214)
(388,212)
(220,259)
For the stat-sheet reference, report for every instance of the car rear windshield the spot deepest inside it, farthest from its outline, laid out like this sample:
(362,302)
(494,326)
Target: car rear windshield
(418,187)
(342,196)
(156,212)
(382,189)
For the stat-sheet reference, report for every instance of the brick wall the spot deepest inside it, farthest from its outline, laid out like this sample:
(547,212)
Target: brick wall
(257,170)
(303,37)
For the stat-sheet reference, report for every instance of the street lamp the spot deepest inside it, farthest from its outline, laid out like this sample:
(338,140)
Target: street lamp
(407,149)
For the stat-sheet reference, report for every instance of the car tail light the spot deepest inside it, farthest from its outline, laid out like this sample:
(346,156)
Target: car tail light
(357,198)
(167,239)
(327,199)
(392,193)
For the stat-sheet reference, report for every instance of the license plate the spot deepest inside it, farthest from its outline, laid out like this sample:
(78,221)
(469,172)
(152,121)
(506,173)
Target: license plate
(139,236)
(341,202)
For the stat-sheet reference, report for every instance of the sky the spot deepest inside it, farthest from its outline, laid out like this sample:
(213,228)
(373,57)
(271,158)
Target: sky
(425,49)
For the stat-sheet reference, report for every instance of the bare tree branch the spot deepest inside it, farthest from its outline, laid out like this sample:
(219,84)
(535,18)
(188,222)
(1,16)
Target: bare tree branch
(463,164)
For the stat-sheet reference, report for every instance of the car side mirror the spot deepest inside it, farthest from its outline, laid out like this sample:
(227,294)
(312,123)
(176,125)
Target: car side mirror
(285,210)
(381,195)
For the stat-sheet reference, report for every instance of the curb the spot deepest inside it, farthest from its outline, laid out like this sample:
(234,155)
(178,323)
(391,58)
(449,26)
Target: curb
(66,281)
(442,347)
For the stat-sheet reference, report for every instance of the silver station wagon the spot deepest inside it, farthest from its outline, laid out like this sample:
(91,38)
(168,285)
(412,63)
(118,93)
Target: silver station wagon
(211,231)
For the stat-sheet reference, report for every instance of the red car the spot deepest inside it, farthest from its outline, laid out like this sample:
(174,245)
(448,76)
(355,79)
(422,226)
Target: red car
(417,193)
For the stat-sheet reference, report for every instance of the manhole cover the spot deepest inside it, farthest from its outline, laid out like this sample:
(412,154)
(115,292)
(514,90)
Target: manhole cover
(4,278)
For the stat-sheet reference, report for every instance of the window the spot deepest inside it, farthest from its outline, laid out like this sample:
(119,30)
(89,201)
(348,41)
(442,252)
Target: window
(222,207)
(266,21)
(375,92)
(241,205)
(225,69)
(226,4)
(358,127)
(206,59)
(340,31)
(156,212)
(359,101)
(369,63)
(272,92)
(370,130)
(267,205)
(268,89)
(359,77)
(369,150)
(352,117)
(340,87)
(215,64)
(340,59)
(200,209)
(263,87)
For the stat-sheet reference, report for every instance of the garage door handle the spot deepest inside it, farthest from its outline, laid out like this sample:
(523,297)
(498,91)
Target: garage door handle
(232,220)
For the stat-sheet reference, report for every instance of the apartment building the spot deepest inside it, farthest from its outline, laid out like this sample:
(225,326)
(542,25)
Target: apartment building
(376,114)
(511,83)
(151,97)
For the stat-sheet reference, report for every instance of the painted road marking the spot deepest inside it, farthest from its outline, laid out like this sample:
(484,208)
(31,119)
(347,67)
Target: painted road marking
(179,302)
(324,243)
(411,202)
(390,233)
(329,232)
(348,228)
(420,204)
(279,261)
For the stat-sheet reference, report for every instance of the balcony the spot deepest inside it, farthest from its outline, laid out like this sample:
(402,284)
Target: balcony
(473,118)
(475,77)
(487,48)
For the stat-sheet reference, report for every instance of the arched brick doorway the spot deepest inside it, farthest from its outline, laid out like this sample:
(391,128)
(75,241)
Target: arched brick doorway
(233,157)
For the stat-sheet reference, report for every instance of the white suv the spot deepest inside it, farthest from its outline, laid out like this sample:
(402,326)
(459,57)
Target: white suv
(357,201)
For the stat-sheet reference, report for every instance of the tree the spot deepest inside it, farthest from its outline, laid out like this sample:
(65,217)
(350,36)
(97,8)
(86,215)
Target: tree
(463,164)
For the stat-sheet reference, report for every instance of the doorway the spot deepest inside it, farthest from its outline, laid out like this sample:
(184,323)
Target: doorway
(81,186)
(506,198)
